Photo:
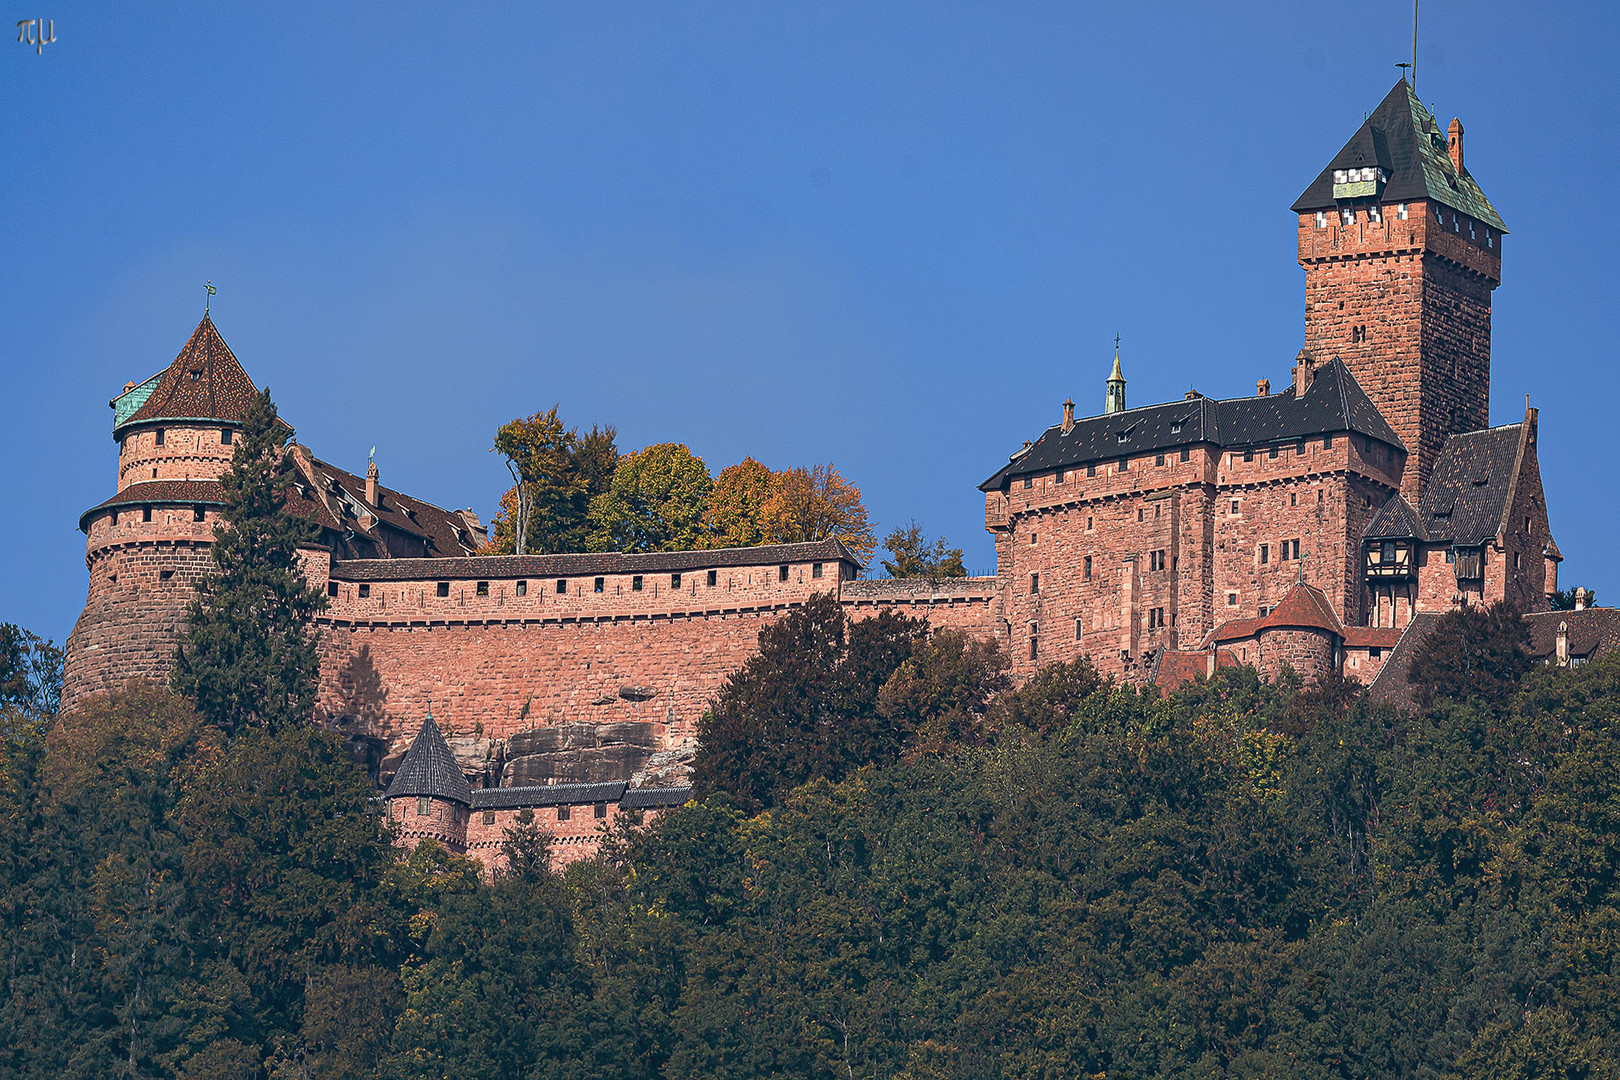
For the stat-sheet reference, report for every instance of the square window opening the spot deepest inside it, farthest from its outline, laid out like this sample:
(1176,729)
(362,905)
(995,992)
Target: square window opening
(600,810)
(442,588)
(674,581)
(365,592)
(635,583)
(521,588)
(225,436)
(714,578)
(599,585)
(781,573)
(563,813)
(483,588)
(815,570)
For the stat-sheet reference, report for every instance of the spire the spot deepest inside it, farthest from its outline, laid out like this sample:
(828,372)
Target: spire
(1116,385)
(205,384)
(430,769)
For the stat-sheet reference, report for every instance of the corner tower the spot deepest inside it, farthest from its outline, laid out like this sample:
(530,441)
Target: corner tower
(1401,252)
(147,545)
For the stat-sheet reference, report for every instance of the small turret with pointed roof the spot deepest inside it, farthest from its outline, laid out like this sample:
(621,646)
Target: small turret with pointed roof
(1115,402)
(430,769)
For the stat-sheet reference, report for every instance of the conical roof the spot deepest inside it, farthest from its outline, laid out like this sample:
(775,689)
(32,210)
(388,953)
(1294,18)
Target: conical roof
(204,383)
(1405,141)
(430,768)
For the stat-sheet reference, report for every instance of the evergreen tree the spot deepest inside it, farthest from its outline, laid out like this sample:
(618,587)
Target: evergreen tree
(248,655)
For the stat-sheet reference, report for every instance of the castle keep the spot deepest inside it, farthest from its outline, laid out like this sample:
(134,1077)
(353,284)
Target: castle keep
(1304,527)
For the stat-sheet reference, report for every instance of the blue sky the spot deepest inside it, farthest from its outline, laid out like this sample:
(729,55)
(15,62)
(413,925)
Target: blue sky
(890,236)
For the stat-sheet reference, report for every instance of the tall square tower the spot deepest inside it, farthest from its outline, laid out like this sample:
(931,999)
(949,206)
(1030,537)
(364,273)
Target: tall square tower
(1401,251)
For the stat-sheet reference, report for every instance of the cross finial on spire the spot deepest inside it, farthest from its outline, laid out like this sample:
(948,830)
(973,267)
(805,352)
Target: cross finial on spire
(1116,344)
(210,300)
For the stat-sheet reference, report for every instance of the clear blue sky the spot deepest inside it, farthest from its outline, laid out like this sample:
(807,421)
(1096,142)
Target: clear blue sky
(891,236)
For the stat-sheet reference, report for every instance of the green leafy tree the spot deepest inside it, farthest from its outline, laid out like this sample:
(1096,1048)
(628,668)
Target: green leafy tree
(30,674)
(915,557)
(556,472)
(248,656)
(1564,599)
(656,502)
(1473,652)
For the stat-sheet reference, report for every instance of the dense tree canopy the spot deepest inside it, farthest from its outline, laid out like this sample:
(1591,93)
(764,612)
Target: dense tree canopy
(248,655)
(912,556)
(556,472)
(656,502)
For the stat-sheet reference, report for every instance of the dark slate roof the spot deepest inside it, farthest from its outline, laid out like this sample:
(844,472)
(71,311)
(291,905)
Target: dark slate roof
(516,798)
(342,494)
(1405,140)
(430,768)
(1390,686)
(584,564)
(1472,481)
(1395,520)
(654,798)
(1592,631)
(1335,402)
(162,493)
(205,382)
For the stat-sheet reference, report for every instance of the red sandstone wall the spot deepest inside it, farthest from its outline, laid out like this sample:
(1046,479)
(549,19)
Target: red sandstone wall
(1308,652)
(187,453)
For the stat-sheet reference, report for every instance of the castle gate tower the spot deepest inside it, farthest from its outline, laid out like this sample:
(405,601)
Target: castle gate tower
(149,544)
(1401,251)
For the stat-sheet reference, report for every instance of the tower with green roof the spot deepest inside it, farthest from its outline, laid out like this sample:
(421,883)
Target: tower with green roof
(1401,251)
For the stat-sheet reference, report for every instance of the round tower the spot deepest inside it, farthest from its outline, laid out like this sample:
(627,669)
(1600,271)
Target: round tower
(429,798)
(148,545)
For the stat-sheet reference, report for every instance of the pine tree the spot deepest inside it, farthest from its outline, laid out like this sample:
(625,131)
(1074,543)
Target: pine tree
(248,655)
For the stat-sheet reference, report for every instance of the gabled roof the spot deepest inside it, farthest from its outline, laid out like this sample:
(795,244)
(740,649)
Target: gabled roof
(1395,520)
(430,768)
(205,382)
(333,498)
(1334,402)
(1303,607)
(1403,138)
(1471,486)
(1592,631)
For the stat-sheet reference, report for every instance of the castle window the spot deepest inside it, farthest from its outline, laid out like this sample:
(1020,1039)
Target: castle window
(1079,628)
(1156,618)
(1374,653)
(115,518)
(781,573)
(599,585)
(365,592)
(489,817)
(1293,498)
(1031,539)
(442,589)
(1034,584)
(563,813)
(1088,567)
(1156,560)
(1231,599)
(1186,453)
(1034,642)
(1158,459)
(525,816)
(1348,215)
(146,513)
(196,513)
(1248,453)
(331,588)
(1471,229)
(815,569)
(521,588)
(562,586)
(1234,506)
(1327,442)
(1091,470)
(483,588)
(1265,554)
(1057,477)
(714,578)
(1400,211)
(1090,524)
(1124,465)
(1299,448)
(424,807)
(1439,215)
(1271,451)
(674,581)
(635,583)
(1321,219)
(1141,514)
(159,434)
(1029,482)
(1124,436)
(600,810)
(225,437)
(165,575)
(1319,495)
(1375,213)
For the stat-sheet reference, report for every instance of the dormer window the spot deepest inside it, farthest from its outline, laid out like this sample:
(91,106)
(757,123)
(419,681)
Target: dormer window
(1357,183)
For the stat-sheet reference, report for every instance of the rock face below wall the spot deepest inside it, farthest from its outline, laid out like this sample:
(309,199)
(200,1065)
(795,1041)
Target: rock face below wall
(579,753)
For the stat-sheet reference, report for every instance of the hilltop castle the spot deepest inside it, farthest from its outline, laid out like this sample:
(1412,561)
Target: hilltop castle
(1305,527)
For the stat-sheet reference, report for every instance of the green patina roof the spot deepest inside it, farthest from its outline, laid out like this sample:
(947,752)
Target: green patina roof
(1403,138)
(125,404)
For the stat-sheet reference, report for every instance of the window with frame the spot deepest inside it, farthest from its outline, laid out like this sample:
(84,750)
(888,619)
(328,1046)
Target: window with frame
(600,810)
(482,589)
(815,570)
(1034,642)
(1156,560)
(1327,442)
(1091,470)
(442,589)
(1271,451)
(1231,599)
(1034,584)
(525,816)
(1248,453)
(1265,554)
(782,573)
(714,578)
(489,817)
(1156,618)
(196,513)
(1088,568)
(1079,629)
(146,513)
(1158,460)
(331,588)
(225,436)
(365,591)
(159,435)
(635,582)
(599,585)
(562,586)
(424,806)
(1029,482)
(1186,453)
(521,588)
(674,581)
(564,812)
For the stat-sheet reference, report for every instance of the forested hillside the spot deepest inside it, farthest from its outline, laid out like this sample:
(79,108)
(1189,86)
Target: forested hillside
(1075,879)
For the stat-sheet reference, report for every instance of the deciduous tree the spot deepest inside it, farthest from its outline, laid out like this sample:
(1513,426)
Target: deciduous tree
(914,557)
(655,503)
(737,505)
(818,504)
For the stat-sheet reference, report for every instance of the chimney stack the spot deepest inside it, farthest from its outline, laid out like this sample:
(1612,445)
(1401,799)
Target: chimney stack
(1068,417)
(1263,388)
(1563,644)
(371,483)
(128,387)
(1580,599)
(1454,144)
(1304,373)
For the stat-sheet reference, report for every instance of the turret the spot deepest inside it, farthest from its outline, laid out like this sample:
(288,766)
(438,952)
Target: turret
(429,798)
(1116,387)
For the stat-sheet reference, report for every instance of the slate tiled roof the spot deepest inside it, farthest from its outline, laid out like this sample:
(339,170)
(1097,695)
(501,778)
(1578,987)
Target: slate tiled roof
(1390,686)
(162,493)
(1405,140)
(1592,631)
(205,382)
(1468,493)
(588,563)
(515,798)
(430,768)
(1395,520)
(342,493)
(654,798)
(1334,402)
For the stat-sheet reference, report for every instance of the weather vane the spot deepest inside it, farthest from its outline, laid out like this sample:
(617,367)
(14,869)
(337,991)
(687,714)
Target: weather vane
(211,291)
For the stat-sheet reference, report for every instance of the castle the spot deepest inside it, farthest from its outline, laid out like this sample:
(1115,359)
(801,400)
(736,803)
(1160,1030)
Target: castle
(1305,527)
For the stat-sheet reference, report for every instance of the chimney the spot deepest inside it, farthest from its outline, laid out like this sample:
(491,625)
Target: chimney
(1563,644)
(1191,395)
(1263,388)
(371,483)
(128,387)
(1580,599)
(1068,417)
(1304,373)
(1211,662)
(1454,145)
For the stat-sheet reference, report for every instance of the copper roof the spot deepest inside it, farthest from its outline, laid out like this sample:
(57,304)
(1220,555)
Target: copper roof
(205,382)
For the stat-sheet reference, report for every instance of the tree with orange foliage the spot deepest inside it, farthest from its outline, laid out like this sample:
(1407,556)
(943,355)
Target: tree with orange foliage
(737,504)
(818,504)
